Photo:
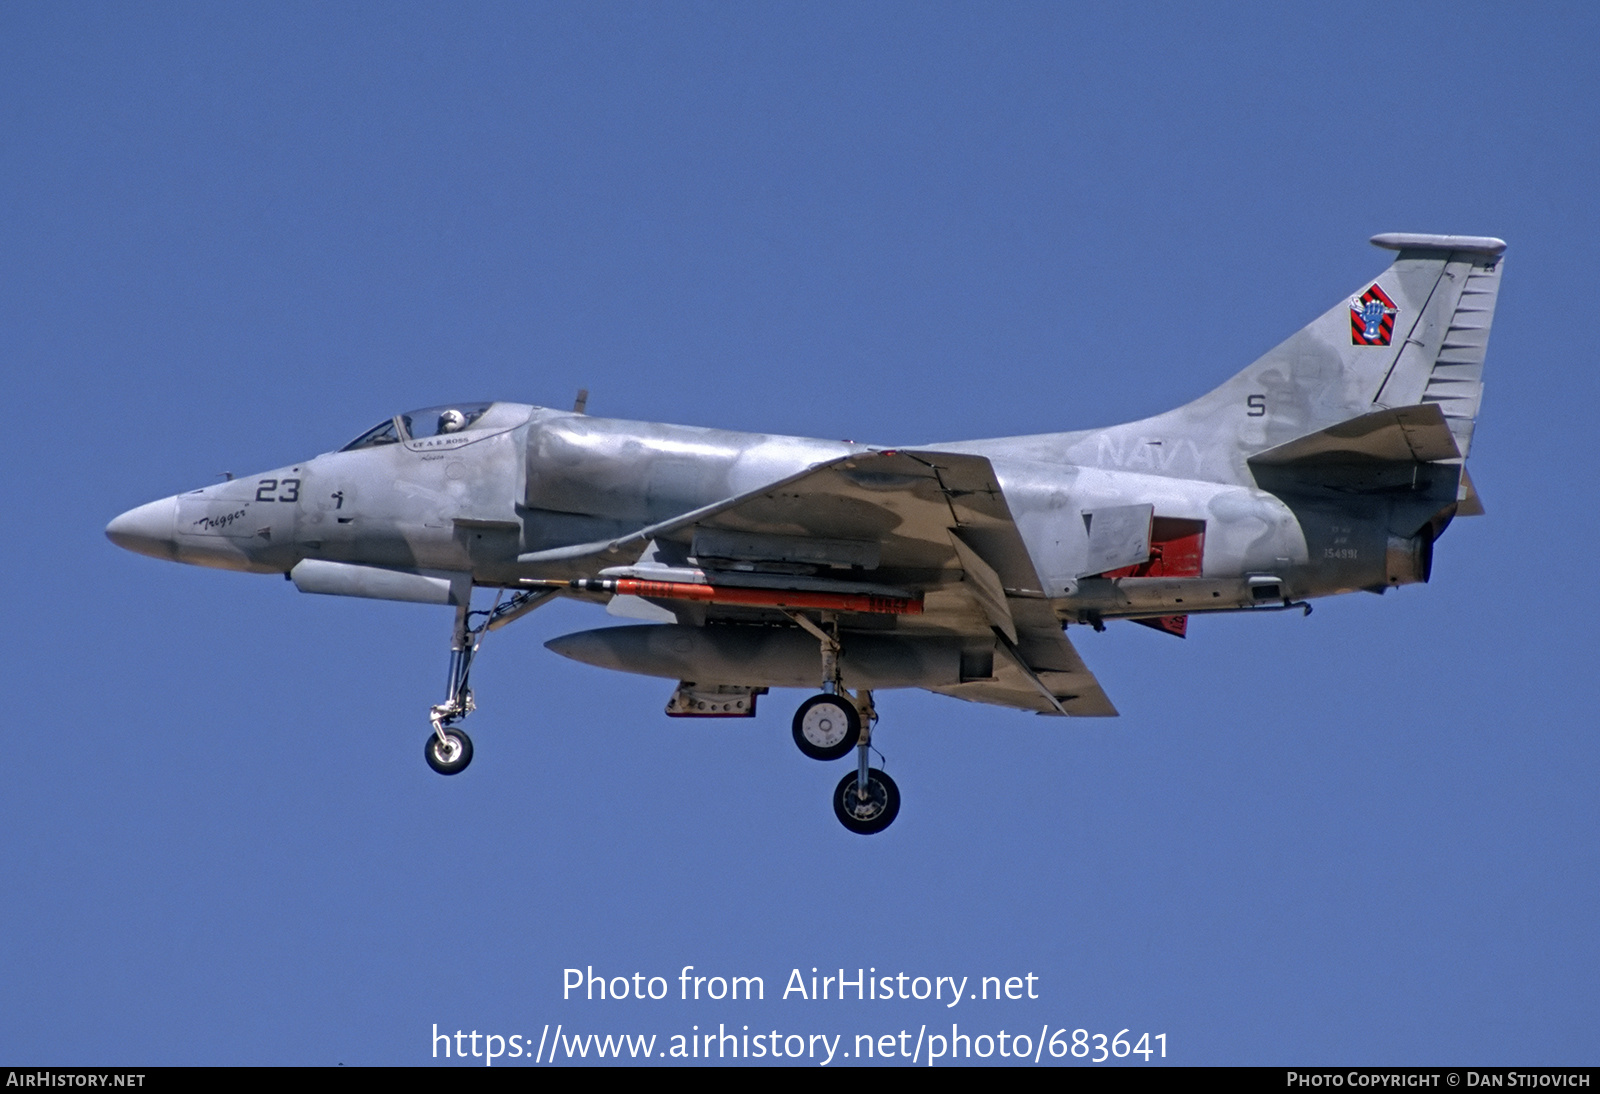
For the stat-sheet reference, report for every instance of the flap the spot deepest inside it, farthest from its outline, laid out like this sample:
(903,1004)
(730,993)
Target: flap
(1051,661)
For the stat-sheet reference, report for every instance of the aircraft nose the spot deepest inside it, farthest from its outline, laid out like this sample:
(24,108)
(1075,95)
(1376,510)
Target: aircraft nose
(147,530)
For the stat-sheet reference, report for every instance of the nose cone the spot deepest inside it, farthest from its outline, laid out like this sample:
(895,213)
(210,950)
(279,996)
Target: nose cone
(147,530)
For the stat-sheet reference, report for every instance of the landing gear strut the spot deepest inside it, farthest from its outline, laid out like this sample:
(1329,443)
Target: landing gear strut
(868,800)
(448,749)
(829,725)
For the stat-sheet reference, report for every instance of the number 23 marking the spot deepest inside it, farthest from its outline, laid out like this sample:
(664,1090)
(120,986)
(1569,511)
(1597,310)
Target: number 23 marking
(287,490)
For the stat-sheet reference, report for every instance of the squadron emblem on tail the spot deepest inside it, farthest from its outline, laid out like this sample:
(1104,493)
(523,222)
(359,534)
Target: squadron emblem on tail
(1372,318)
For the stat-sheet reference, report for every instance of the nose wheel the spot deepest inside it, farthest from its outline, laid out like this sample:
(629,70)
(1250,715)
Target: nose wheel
(448,751)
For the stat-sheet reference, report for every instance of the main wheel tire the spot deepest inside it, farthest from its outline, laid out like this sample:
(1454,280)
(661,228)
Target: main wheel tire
(451,756)
(876,813)
(827,727)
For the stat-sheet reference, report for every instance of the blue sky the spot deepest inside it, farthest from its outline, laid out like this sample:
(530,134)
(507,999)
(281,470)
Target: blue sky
(234,238)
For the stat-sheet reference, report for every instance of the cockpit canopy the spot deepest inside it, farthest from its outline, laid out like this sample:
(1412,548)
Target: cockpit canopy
(416,425)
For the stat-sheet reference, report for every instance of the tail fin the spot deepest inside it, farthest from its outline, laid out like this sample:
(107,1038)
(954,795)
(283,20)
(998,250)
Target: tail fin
(1415,335)
(1441,360)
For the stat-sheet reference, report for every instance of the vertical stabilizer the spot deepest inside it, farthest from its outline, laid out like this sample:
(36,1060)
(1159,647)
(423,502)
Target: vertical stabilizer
(1414,335)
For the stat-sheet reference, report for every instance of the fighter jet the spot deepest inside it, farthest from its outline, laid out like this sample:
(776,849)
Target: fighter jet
(748,561)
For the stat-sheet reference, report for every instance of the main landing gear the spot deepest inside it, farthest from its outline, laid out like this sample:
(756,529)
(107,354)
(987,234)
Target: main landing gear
(448,749)
(868,807)
(828,726)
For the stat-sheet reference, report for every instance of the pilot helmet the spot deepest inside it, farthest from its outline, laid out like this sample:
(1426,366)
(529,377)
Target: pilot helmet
(451,420)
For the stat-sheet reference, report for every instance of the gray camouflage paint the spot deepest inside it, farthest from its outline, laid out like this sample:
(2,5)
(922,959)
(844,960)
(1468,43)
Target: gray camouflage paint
(525,480)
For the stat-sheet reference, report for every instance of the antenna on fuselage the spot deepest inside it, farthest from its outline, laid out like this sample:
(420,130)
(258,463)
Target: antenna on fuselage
(581,402)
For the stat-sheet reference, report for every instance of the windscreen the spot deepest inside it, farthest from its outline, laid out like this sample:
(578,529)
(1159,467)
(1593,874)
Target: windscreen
(380,434)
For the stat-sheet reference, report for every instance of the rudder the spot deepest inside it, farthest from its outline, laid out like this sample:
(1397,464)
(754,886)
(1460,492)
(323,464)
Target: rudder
(1441,361)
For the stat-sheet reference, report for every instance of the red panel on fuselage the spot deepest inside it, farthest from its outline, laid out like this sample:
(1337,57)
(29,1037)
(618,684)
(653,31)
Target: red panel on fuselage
(1177,547)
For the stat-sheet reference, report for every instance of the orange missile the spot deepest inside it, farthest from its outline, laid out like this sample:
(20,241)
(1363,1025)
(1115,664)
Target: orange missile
(738,594)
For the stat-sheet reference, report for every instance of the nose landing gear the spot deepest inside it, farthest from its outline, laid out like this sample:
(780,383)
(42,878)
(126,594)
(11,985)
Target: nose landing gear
(448,749)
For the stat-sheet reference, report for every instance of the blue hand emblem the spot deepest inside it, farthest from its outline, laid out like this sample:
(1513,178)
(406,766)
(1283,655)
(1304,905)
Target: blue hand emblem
(1372,316)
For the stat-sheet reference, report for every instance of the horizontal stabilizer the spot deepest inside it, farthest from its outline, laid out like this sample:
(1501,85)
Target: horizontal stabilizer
(1408,434)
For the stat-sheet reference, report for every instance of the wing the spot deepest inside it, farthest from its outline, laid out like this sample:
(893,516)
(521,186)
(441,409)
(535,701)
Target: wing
(935,524)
